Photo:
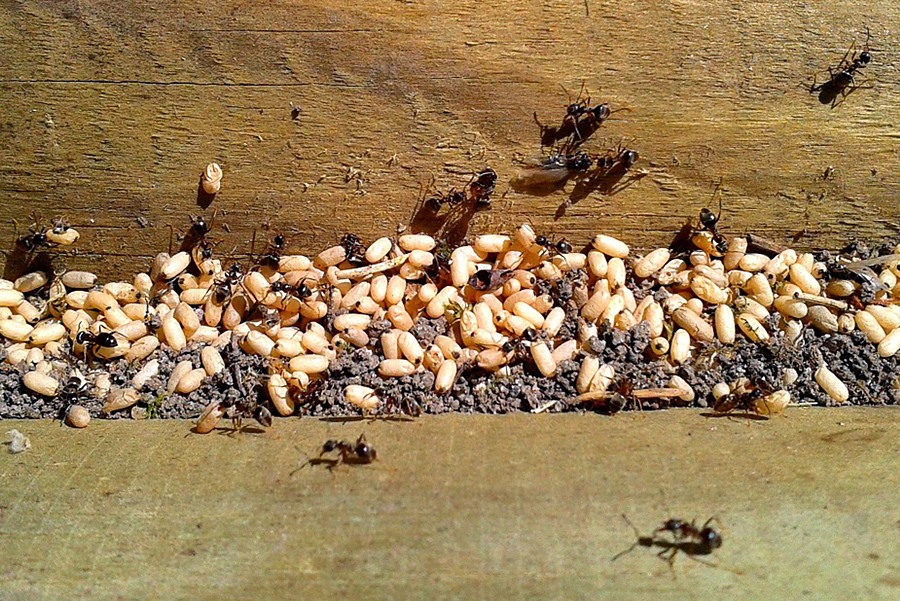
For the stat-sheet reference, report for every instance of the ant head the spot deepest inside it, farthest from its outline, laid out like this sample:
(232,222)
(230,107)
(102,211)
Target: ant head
(601,112)
(329,445)
(529,334)
(364,451)
(711,539)
(630,157)
(575,109)
(200,225)
(278,242)
(865,57)
(708,219)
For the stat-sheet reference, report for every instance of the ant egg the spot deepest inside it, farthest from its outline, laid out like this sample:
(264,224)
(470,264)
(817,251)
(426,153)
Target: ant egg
(698,257)
(610,246)
(146,373)
(45,332)
(10,298)
(890,344)
(31,281)
(330,257)
(77,416)
(446,376)
(697,327)
(257,343)
(885,317)
(212,360)
(651,263)
(529,313)
(708,291)
(791,307)
(115,317)
(314,341)
(191,381)
(615,306)
(725,325)
(554,321)
(173,332)
(687,393)
(41,383)
(120,398)
(209,418)
(822,319)
(565,351)
(80,280)
(178,372)
(378,250)
(410,242)
(655,317)
(832,385)
(396,288)
(390,347)
(680,346)
(15,330)
(309,364)
(211,179)
(396,368)
(602,379)
(288,347)
(867,323)
(543,359)
(589,366)
(362,396)
(801,276)
(142,349)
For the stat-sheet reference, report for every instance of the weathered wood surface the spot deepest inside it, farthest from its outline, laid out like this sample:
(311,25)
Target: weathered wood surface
(110,110)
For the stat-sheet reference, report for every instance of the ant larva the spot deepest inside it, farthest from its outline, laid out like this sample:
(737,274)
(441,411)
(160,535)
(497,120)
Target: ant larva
(841,82)
(685,537)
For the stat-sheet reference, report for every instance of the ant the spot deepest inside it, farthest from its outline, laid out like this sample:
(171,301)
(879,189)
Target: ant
(36,238)
(358,453)
(709,222)
(744,397)
(686,537)
(452,198)
(354,248)
(300,291)
(488,280)
(841,77)
(273,254)
(521,346)
(93,341)
(562,247)
(224,285)
(482,187)
(579,123)
(554,170)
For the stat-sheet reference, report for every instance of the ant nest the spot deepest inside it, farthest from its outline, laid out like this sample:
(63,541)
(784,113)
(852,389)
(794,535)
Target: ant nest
(509,322)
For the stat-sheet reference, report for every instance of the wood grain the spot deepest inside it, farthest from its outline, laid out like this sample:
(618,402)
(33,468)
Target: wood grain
(109,111)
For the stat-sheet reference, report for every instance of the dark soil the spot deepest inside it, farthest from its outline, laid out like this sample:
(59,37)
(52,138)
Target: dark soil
(521,387)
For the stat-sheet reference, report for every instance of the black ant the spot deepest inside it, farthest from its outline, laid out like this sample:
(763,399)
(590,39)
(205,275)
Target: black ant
(36,238)
(482,187)
(272,256)
(354,248)
(841,77)
(358,453)
(709,222)
(561,247)
(223,287)
(93,341)
(521,346)
(452,198)
(579,123)
(488,280)
(300,291)
(686,537)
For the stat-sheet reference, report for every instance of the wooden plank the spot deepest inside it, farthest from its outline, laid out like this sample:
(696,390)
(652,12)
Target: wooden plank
(111,110)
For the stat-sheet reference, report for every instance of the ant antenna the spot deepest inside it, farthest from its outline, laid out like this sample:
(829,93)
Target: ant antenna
(637,540)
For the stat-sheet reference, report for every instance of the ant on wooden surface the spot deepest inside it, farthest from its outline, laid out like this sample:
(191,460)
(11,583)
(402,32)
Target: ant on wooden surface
(841,81)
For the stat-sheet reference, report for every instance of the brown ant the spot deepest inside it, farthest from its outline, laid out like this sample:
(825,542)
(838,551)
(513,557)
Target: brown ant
(841,82)
(358,453)
(686,537)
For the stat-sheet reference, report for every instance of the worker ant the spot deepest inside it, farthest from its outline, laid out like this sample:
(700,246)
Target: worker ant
(36,239)
(92,341)
(301,291)
(580,122)
(709,222)
(358,453)
(271,257)
(453,198)
(482,187)
(561,247)
(686,537)
(354,249)
(488,280)
(841,82)
(223,286)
